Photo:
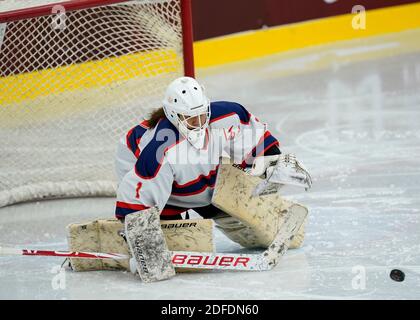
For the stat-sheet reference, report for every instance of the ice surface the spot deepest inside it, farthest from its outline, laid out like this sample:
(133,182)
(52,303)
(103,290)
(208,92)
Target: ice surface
(351,113)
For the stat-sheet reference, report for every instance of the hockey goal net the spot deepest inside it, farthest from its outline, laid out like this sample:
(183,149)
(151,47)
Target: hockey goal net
(74,77)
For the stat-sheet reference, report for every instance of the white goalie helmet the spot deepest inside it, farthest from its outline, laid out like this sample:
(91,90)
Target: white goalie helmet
(188,108)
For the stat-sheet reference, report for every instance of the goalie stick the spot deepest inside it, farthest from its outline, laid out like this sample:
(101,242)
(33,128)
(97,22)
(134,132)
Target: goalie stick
(66,254)
(203,260)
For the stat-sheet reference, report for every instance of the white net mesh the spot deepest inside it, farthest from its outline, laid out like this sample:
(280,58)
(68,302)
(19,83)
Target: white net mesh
(69,89)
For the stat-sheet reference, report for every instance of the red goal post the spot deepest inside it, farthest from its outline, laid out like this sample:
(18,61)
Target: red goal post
(44,10)
(68,94)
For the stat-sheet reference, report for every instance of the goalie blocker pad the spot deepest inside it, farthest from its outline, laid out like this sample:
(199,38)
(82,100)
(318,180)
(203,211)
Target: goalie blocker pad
(103,235)
(256,220)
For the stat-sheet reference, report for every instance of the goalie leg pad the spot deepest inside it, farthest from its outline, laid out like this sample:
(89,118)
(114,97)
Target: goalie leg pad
(102,235)
(247,237)
(97,236)
(262,215)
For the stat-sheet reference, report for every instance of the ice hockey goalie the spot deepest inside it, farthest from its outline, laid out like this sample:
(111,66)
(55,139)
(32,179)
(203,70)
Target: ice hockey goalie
(213,157)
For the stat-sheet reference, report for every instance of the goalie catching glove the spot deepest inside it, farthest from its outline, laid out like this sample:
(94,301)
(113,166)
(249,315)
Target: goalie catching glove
(279,170)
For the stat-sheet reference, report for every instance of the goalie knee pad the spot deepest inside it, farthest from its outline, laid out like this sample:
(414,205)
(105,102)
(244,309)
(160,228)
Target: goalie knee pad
(235,230)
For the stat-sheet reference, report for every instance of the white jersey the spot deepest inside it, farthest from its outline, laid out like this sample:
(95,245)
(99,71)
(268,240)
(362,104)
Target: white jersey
(157,166)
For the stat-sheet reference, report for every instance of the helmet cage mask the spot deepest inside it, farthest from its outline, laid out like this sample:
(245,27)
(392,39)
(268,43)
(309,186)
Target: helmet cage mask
(195,134)
(185,100)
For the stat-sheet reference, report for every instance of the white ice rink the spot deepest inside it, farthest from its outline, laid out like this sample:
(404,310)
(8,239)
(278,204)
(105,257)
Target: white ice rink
(351,112)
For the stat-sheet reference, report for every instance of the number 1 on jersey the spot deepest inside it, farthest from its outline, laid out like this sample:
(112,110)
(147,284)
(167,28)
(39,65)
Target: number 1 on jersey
(138,190)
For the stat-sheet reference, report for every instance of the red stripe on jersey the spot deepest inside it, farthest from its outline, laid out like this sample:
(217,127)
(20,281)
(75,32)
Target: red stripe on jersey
(132,206)
(127,142)
(193,193)
(172,212)
(201,176)
(249,155)
(145,124)
(276,143)
(137,153)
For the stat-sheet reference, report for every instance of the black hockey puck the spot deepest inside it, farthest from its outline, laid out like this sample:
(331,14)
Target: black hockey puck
(397,275)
